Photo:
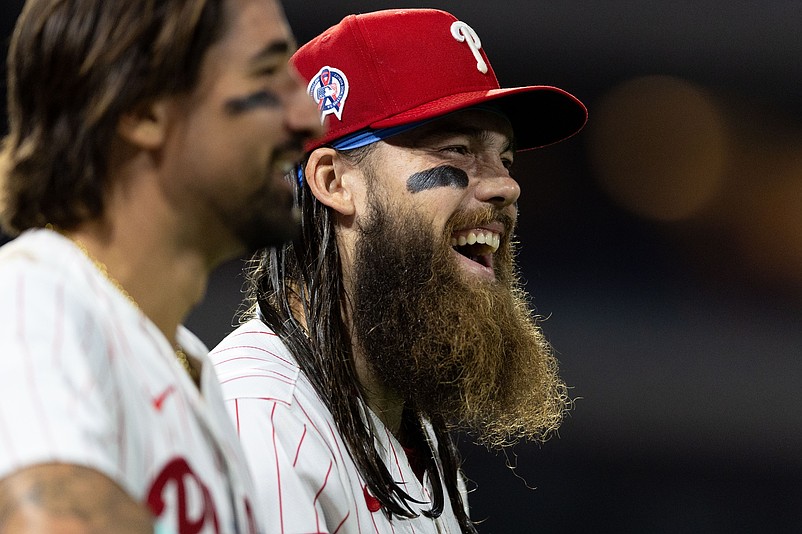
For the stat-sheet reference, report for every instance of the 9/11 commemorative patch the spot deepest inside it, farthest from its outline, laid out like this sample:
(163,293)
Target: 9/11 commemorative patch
(329,88)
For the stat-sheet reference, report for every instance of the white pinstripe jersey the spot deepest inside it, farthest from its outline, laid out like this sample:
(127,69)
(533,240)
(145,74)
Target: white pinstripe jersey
(87,379)
(306,481)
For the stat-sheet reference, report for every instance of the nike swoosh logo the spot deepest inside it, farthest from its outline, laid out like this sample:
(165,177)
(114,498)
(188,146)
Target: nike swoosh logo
(158,401)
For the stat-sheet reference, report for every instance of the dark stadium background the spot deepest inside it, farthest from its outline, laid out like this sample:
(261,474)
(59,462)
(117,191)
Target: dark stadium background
(663,245)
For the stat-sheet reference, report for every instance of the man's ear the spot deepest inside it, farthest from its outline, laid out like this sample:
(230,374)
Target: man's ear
(146,125)
(330,179)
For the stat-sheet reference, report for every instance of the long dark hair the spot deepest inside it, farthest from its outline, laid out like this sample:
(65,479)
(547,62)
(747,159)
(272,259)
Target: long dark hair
(74,67)
(305,278)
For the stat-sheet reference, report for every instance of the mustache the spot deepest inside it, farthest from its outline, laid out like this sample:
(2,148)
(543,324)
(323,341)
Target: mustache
(481,217)
(294,146)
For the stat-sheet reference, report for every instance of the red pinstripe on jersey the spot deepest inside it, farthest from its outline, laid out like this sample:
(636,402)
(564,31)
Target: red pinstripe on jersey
(336,530)
(298,450)
(373,520)
(254,358)
(278,470)
(8,443)
(58,328)
(309,419)
(252,347)
(37,396)
(265,374)
(236,411)
(317,495)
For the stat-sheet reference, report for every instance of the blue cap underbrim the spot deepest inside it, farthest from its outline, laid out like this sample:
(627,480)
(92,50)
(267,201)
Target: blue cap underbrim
(369,136)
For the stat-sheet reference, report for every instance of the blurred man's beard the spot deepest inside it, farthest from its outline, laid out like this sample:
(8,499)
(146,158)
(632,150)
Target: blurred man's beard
(266,218)
(464,352)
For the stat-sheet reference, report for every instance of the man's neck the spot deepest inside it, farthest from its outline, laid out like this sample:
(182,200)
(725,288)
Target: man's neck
(163,281)
(383,401)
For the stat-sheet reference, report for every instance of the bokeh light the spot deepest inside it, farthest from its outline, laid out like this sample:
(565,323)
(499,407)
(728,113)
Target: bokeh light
(658,146)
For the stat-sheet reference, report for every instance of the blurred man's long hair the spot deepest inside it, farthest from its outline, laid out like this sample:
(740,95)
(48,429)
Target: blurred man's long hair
(74,68)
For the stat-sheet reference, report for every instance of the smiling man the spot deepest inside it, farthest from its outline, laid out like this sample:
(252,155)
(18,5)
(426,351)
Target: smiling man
(398,316)
(148,142)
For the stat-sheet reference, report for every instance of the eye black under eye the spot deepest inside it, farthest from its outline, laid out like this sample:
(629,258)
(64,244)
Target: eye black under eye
(269,71)
(259,99)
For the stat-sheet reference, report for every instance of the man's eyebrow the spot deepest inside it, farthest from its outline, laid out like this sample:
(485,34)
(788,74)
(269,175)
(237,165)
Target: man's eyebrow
(448,130)
(277,47)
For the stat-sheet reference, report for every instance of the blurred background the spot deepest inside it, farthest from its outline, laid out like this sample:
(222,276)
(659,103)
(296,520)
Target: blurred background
(662,246)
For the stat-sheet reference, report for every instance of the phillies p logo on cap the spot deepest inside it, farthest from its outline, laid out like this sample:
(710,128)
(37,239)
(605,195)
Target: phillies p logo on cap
(329,88)
(465,34)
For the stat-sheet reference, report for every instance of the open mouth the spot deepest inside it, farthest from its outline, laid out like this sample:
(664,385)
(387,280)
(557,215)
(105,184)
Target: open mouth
(477,245)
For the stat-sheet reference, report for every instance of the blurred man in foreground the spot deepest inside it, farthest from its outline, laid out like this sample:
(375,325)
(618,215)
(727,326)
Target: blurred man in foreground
(148,143)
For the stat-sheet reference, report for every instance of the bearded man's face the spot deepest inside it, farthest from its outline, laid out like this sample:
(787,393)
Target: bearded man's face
(459,346)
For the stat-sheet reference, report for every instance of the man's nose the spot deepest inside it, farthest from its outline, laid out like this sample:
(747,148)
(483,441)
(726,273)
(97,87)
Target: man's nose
(498,188)
(302,113)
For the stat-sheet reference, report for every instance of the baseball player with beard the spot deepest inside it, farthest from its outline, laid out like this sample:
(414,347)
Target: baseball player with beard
(398,316)
(148,142)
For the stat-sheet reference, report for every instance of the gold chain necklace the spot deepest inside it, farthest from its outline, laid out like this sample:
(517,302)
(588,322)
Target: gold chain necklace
(100,266)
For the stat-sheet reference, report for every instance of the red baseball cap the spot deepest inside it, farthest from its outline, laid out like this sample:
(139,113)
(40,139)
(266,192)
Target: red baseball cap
(382,70)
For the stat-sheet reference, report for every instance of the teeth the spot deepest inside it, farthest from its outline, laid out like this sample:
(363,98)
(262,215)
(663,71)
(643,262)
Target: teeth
(493,240)
(481,237)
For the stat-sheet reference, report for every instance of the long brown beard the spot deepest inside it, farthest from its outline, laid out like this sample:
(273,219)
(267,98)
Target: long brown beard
(467,353)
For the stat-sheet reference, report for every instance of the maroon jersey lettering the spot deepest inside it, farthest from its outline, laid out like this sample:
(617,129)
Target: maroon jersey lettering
(180,475)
